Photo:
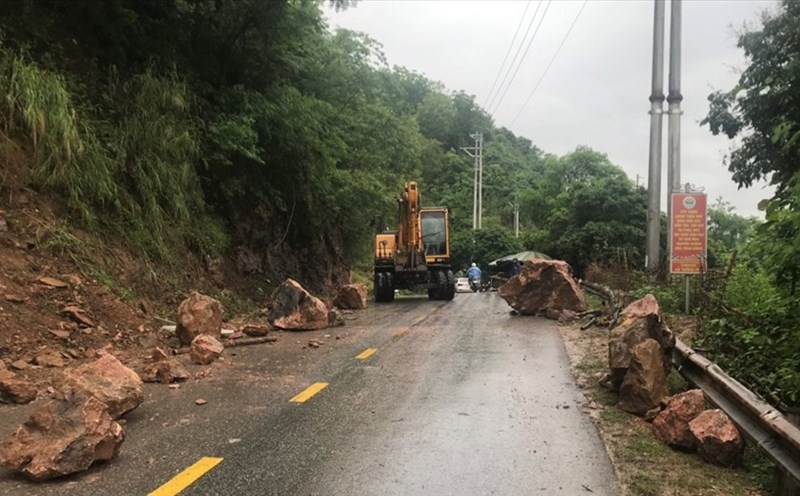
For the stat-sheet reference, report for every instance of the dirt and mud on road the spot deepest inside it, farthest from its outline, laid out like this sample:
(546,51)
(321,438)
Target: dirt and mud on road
(413,397)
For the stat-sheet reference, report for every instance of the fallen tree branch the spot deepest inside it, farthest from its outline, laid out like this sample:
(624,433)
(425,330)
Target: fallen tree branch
(248,341)
(613,301)
(232,343)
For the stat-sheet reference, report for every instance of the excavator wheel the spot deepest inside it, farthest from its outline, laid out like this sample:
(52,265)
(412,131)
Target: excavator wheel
(384,289)
(440,291)
(450,290)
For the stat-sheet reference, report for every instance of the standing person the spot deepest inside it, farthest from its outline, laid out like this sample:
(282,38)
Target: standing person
(514,267)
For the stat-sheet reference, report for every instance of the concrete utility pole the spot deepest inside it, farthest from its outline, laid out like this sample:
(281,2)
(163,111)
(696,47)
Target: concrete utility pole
(516,220)
(476,152)
(656,133)
(480,180)
(674,99)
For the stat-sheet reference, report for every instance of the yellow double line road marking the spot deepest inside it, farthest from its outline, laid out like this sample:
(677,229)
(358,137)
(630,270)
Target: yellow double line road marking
(366,353)
(187,477)
(309,392)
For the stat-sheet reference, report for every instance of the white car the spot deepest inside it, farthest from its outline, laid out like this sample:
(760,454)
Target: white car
(462,285)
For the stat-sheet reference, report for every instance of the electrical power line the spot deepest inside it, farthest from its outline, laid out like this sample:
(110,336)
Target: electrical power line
(516,54)
(530,42)
(575,21)
(510,46)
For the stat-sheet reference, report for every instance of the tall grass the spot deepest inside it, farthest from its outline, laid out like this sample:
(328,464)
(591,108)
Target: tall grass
(125,163)
(37,108)
(153,142)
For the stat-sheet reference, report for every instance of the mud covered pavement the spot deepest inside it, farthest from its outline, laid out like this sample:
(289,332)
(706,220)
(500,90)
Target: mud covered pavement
(413,397)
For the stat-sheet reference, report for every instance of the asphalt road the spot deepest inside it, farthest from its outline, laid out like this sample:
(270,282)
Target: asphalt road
(456,398)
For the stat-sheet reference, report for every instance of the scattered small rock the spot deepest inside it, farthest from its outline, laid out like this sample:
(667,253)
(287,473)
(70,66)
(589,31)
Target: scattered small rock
(77,314)
(13,298)
(234,440)
(200,401)
(174,386)
(60,334)
(19,365)
(49,359)
(226,333)
(314,343)
(53,282)
(256,331)
(205,349)
(73,279)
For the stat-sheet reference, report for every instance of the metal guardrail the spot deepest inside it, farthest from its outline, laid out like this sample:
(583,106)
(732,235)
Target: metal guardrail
(760,422)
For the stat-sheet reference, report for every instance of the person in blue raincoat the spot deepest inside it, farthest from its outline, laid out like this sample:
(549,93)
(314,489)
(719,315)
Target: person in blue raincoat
(514,267)
(474,272)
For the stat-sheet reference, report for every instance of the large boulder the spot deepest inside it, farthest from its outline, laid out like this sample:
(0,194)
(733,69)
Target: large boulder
(163,369)
(198,314)
(205,349)
(295,309)
(352,297)
(62,437)
(672,424)
(14,389)
(718,440)
(641,320)
(114,384)
(542,285)
(645,384)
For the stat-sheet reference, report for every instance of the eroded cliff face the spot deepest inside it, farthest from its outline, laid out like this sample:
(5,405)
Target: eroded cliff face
(267,244)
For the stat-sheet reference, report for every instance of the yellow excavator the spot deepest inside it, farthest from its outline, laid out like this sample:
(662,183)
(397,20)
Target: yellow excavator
(417,255)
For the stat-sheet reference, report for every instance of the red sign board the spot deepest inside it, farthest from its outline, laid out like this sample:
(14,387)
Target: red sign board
(688,240)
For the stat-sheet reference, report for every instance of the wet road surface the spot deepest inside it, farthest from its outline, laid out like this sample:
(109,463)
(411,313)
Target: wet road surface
(452,398)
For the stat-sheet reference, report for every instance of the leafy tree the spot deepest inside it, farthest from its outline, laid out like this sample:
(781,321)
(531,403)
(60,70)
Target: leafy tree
(727,231)
(482,246)
(763,109)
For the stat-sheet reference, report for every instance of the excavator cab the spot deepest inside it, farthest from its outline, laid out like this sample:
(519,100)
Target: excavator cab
(435,235)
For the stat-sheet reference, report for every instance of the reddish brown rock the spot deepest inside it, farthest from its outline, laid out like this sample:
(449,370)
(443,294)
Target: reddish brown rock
(672,424)
(62,437)
(164,369)
(640,320)
(14,298)
(205,349)
(53,282)
(49,359)
(108,380)
(14,389)
(295,309)
(542,285)
(255,330)
(78,315)
(718,440)
(19,365)
(198,314)
(645,383)
(352,297)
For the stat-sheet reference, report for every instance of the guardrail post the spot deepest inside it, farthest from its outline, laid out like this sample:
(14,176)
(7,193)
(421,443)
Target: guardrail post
(785,484)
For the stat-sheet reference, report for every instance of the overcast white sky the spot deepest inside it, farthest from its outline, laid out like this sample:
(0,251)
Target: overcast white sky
(596,92)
